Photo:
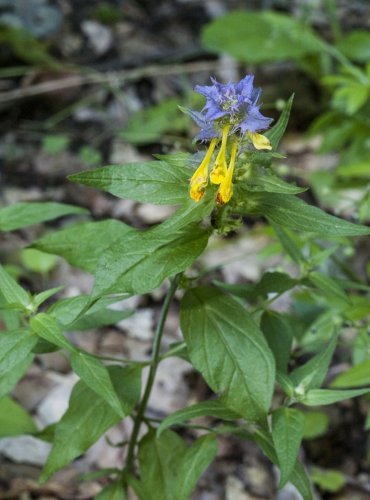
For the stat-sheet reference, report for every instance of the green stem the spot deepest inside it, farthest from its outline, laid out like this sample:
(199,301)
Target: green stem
(152,372)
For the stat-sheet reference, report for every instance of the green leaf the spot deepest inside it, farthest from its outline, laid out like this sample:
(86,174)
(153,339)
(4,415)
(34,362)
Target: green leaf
(96,376)
(291,212)
(15,347)
(159,460)
(150,124)
(279,335)
(10,317)
(285,383)
(10,375)
(25,214)
(150,182)
(27,48)
(89,155)
(113,491)
(355,45)
(328,285)
(88,417)
(38,262)
(46,327)
(316,424)
(288,244)
(329,479)
(169,470)
(358,170)
(13,293)
(298,476)
(41,297)
(178,161)
(287,433)
(70,310)
(257,37)
(195,460)
(102,317)
(318,397)
(144,259)
(270,184)
(212,408)
(53,144)
(14,420)
(83,244)
(227,347)
(312,374)
(301,481)
(277,131)
(354,377)
(271,282)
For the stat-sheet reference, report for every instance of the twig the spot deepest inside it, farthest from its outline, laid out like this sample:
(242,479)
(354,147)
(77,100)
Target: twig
(95,78)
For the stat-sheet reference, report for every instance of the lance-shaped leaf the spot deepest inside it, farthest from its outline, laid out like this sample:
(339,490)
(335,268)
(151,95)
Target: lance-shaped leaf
(88,368)
(10,375)
(328,285)
(15,347)
(159,460)
(312,374)
(25,214)
(288,244)
(13,293)
(150,182)
(83,244)
(68,311)
(298,476)
(96,376)
(102,317)
(319,397)
(277,131)
(213,408)
(196,459)
(46,327)
(279,335)
(271,282)
(145,258)
(291,212)
(230,351)
(356,376)
(270,184)
(14,420)
(88,417)
(169,469)
(287,434)
(114,491)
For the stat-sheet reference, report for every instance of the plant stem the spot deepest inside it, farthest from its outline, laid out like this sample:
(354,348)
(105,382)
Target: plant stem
(152,372)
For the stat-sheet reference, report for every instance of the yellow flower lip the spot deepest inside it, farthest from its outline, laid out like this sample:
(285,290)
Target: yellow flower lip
(225,190)
(221,174)
(218,172)
(260,141)
(199,180)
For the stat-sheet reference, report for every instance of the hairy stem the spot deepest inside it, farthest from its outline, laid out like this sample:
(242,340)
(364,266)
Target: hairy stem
(152,372)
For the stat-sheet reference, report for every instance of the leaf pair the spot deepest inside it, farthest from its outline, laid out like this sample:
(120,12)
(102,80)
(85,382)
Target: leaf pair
(169,470)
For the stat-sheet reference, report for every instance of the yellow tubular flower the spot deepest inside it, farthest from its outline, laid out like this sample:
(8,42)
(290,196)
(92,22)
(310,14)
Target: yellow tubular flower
(259,141)
(225,190)
(219,170)
(199,180)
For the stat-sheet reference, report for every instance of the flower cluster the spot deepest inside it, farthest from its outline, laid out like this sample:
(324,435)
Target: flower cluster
(231,111)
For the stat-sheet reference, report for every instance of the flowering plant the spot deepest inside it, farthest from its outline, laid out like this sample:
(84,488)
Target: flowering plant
(243,349)
(231,111)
